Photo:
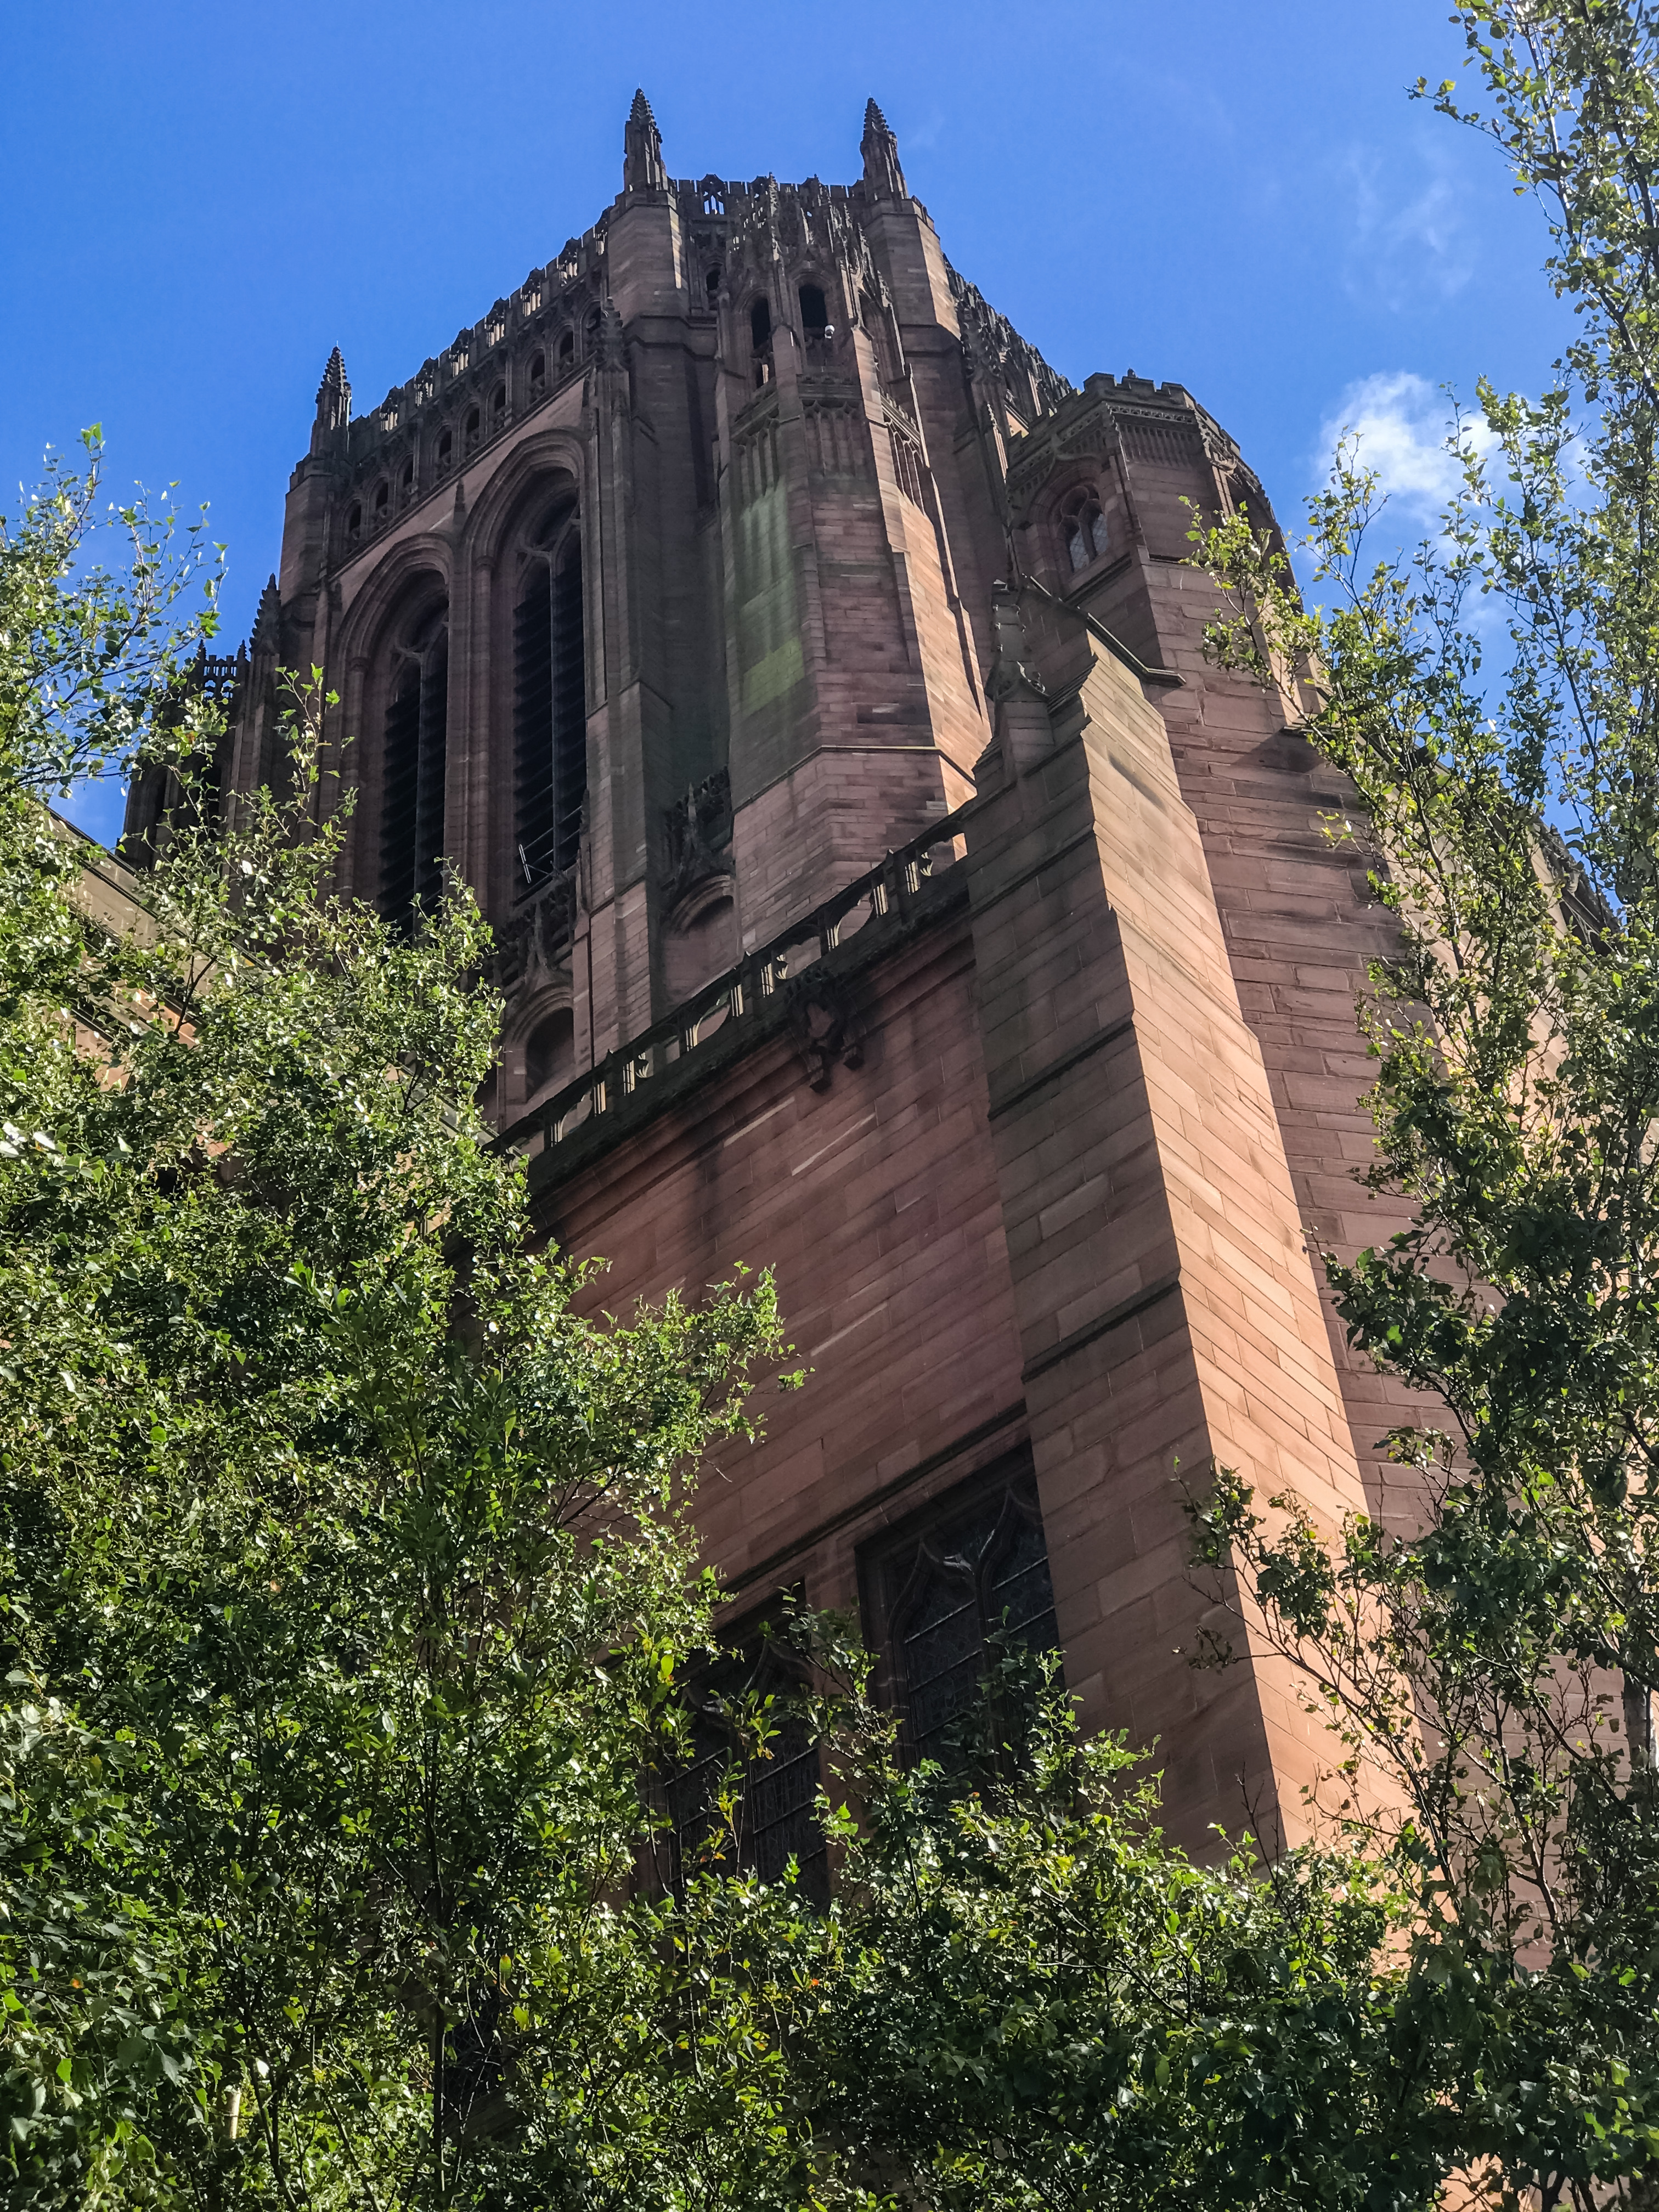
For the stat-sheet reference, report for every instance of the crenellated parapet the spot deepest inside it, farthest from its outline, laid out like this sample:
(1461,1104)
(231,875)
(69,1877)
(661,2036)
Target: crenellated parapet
(532,344)
(537,340)
(1136,422)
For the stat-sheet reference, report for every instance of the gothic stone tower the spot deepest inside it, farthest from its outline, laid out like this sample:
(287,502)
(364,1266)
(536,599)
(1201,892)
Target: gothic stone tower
(808,683)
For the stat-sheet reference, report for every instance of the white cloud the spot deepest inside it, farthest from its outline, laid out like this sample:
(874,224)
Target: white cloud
(1401,421)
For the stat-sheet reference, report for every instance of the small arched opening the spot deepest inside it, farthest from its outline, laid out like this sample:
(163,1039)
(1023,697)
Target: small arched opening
(1082,529)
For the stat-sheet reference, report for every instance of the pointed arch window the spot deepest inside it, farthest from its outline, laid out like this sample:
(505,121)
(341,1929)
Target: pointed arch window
(974,1568)
(1083,527)
(756,1677)
(413,758)
(550,703)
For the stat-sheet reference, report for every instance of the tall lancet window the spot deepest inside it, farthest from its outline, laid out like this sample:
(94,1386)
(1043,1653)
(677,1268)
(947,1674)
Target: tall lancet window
(550,703)
(412,773)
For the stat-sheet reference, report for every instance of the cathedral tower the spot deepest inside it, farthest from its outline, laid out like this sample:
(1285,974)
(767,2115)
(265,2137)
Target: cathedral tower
(808,682)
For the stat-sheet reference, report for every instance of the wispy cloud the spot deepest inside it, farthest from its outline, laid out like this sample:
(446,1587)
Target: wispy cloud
(1410,234)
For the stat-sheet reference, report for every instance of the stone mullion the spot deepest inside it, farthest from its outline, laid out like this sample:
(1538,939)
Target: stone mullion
(471,781)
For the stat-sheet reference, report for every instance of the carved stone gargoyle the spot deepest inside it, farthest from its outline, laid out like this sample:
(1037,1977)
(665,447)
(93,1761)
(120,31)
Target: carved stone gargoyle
(825,1025)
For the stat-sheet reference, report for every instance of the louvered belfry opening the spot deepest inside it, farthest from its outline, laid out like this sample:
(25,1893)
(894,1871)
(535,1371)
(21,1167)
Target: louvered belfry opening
(549,705)
(412,773)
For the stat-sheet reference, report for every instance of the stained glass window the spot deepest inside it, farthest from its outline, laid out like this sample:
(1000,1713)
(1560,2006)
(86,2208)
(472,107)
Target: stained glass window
(977,1565)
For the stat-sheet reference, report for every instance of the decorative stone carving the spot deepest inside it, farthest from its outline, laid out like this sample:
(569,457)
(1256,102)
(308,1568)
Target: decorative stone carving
(826,1025)
(529,944)
(697,836)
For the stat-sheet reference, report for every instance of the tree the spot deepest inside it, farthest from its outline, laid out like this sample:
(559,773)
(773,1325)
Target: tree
(345,1573)
(1502,1664)
(1044,2004)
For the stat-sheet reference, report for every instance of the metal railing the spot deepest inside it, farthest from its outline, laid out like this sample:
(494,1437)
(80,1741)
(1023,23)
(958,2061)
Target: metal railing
(741,996)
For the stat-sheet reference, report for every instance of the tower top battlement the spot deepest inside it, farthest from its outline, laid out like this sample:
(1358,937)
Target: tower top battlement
(732,223)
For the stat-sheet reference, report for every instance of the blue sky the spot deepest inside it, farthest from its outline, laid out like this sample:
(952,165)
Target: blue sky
(201,200)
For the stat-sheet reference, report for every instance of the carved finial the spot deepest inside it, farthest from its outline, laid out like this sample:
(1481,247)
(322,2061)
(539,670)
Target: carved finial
(333,402)
(265,621)
(334,393)
(642,168)
(882,174)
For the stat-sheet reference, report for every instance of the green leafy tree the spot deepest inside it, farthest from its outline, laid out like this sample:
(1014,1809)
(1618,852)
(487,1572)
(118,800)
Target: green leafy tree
(344,1577)
(1043,2004)
(1502,1664)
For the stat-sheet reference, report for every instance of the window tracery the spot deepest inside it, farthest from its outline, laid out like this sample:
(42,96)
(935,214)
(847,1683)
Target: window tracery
(974,1568)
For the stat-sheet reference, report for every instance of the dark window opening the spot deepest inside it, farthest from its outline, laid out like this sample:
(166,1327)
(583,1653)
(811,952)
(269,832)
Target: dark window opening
(550,713)
(355,524)
(975,1567)
(472,430)
(776,1819)
(760,325)
(446,447)
(711,285)
(382,498)
(814,312)
(413,776)
(538,372)
(498,407)
(567,349)
(1083,524)
(407,480)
